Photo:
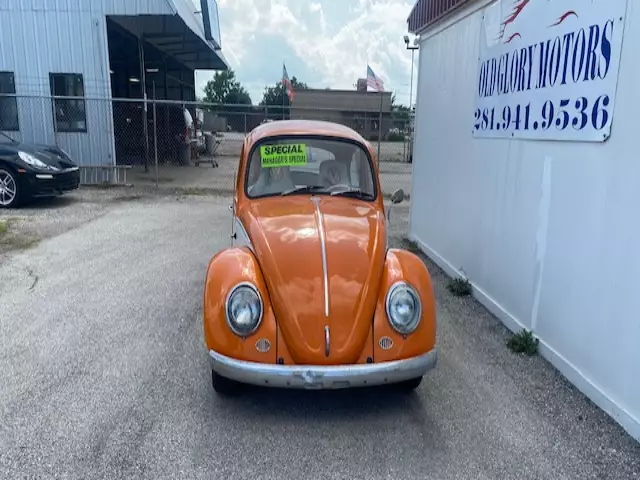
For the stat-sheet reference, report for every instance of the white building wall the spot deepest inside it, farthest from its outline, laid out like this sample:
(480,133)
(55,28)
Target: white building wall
(547,232)
(38,37)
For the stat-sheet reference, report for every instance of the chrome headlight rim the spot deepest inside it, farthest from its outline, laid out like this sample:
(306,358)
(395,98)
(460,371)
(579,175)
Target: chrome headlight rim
(227,302)
(409,288)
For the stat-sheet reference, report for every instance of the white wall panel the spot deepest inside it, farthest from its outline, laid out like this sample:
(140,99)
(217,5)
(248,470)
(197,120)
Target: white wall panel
(547,232)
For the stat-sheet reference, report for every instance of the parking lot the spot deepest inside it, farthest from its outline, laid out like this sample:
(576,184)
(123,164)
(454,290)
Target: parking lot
(104,372)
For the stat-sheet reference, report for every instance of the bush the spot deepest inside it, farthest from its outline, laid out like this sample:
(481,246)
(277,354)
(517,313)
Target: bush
(523,342)
(460,287)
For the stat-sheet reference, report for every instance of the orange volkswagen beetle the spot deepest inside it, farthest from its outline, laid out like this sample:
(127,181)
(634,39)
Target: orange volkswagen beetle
(309,294)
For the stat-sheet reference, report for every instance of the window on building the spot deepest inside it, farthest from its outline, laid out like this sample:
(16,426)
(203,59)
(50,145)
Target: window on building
(8,104)
(70,113)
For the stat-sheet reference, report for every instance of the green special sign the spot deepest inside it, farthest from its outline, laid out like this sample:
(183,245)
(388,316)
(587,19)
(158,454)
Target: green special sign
(286,155)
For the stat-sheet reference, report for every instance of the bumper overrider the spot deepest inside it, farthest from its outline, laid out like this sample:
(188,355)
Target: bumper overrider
(322,377)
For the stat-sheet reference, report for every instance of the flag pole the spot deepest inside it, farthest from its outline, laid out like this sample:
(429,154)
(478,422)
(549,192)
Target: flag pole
(284,91)
(380,90)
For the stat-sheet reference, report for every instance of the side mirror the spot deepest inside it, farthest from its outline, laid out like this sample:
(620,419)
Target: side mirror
(398,196)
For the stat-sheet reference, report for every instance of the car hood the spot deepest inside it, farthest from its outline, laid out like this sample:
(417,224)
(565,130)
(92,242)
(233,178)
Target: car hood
(287,237)
(49,154)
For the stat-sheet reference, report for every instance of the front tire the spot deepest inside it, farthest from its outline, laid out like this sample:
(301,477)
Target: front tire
(223,385)
(9,189)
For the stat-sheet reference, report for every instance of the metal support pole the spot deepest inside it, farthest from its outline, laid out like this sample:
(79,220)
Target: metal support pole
(413,50)
(411,87)
(155,132)
(404,144)
(143,85)
(55,119)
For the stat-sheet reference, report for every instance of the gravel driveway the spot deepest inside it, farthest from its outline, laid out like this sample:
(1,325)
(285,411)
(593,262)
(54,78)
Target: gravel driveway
(103,374)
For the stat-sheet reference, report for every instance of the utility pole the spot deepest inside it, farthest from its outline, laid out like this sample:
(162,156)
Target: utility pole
(413,50)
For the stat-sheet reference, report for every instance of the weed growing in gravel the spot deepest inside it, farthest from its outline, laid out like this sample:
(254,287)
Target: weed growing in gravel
(523,342)
(460,287)
(10,239)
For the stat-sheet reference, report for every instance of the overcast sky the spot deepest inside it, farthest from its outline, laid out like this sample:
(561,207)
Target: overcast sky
(325,43)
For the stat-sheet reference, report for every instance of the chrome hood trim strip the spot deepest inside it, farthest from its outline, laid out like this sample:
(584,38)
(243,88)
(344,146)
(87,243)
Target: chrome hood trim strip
(323,245)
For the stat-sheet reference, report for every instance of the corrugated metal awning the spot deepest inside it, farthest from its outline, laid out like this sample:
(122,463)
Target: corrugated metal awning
(179,34)
(427,12)
(210,52)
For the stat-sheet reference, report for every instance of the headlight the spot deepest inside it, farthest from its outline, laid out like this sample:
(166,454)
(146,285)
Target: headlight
(244,309)
(403,308)
(31,160)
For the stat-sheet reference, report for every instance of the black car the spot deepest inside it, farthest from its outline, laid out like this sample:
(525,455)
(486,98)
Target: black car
(29,170)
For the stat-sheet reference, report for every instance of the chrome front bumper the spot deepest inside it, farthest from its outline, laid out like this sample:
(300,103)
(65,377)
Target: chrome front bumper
(322,377)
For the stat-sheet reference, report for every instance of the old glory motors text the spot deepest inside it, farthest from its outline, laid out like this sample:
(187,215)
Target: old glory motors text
(577,57)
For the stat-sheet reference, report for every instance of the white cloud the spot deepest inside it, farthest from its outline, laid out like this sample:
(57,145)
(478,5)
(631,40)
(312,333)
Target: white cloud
(316,7)
(335,42)
(237,27)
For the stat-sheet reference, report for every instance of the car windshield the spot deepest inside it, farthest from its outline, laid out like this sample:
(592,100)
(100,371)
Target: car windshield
(289,166)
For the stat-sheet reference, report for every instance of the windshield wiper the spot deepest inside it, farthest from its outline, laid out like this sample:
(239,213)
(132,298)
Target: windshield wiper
(303,189)
(356,192)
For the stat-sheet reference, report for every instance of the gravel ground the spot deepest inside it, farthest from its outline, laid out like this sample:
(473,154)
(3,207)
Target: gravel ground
(104,374)
(48,217)
(44,218)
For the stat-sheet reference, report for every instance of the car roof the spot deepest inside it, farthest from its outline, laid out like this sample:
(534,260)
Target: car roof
(304,127)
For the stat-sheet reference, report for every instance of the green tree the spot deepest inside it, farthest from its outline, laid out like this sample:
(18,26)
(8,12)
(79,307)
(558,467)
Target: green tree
(275,96)
(224,88)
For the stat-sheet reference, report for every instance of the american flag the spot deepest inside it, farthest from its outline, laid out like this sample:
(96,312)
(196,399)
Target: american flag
(373,81)
(287,83)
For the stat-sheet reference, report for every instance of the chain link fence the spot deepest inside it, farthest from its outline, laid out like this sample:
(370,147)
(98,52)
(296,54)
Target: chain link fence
(183,145)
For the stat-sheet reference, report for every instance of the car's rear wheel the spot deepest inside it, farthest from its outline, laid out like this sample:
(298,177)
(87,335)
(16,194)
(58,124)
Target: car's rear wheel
(9,191)
(223,385)
(409,385)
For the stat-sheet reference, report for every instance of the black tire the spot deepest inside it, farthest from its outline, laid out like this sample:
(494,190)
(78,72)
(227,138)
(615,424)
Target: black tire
(409,386)
(10,183)
(223,385)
